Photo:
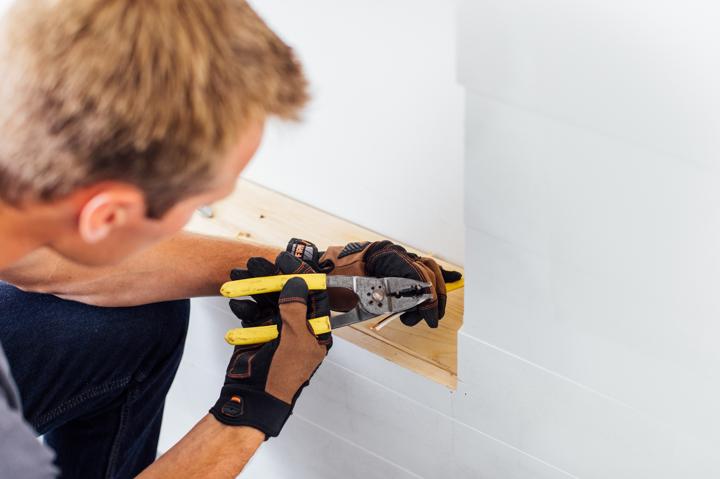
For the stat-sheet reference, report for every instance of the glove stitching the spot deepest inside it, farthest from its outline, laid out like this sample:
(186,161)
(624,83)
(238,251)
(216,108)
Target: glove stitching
(246,374)
(292,299)
(383,250)
(414,266)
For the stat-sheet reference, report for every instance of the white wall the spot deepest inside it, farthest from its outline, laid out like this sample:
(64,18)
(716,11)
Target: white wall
(593,226)
(381,142)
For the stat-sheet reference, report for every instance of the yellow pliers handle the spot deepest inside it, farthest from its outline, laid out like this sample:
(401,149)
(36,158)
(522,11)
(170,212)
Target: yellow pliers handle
(455,285)
(264,334)
(270,284)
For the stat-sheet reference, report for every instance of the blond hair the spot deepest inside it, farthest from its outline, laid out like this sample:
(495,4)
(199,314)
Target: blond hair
(151,92)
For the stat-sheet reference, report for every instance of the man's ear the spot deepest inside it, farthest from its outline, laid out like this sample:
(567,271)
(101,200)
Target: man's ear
(109,209)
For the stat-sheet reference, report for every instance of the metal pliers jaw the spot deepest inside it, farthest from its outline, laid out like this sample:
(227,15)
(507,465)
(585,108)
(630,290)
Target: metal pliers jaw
(379,296)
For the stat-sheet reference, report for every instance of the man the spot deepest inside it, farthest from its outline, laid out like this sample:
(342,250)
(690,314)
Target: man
(119,118)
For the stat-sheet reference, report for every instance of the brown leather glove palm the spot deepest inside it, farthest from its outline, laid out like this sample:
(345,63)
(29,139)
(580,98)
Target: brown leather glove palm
(379,259)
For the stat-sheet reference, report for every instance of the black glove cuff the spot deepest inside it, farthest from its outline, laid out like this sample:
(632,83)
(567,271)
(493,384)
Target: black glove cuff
(238,406)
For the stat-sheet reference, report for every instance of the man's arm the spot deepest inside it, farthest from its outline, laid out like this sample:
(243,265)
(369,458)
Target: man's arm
(210,449)
(184,266)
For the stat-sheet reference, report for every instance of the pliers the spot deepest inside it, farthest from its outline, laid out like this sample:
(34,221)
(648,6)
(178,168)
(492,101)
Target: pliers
(376,297)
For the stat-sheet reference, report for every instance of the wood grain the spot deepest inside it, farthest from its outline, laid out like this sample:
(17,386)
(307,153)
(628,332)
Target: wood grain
(256,213)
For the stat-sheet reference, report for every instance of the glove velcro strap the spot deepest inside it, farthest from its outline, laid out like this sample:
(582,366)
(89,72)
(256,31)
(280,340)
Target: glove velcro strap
(308,253)
(303,250)
(246,407)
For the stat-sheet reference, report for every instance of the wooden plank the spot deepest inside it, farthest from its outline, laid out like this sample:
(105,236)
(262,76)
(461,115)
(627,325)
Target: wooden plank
(256,213)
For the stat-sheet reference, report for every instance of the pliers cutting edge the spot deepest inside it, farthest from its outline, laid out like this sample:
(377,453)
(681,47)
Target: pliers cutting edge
(376,297)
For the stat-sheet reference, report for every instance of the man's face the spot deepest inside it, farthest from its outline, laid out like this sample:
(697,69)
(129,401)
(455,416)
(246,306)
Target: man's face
(139,233)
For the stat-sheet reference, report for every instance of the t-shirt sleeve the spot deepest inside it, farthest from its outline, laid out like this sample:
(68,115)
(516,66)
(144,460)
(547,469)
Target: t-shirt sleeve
(22,455)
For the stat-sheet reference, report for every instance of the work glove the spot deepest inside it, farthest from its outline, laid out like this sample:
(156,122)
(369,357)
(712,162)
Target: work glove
(264,381)
(379,259)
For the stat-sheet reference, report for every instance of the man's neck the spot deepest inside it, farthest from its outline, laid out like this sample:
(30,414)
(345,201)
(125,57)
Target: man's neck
(19,234)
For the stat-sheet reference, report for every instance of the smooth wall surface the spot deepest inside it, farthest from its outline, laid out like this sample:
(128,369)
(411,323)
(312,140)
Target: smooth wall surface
(592,232)
(381,141)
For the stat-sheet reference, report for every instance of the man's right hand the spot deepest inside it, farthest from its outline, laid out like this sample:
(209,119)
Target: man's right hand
(264,381)
(379,259)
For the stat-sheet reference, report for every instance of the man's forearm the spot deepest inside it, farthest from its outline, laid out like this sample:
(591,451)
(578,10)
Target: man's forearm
(186,265)
(210,449)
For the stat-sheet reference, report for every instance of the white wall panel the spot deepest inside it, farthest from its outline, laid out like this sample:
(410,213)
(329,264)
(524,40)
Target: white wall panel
(641,70)
(592,258)
(309,452)
(582,197)
(381,141)
(569,425)
(596,259)
(409,432)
